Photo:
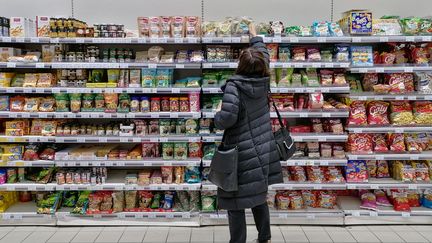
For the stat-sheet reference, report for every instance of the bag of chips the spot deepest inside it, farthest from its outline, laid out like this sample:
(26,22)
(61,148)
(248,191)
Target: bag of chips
(368,200)
(379,143)
(359,143)
(396,142)
(401,113)
(357,114)
(422,112)
(377,113)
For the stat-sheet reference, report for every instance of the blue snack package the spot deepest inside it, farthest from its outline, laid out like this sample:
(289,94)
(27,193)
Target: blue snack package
(168,201)
(4,103)
(426,200)
(192,174)
(362,56)
(148,77)
(320,29)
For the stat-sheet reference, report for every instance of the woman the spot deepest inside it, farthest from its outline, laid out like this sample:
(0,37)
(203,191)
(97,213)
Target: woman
(245,116)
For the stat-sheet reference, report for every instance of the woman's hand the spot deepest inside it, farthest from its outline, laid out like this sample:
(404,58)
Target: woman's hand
(252,30)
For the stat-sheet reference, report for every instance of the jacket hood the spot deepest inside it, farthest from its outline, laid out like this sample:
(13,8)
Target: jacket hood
(253,87)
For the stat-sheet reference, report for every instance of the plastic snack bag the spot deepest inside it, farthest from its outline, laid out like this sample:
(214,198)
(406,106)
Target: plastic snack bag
(377,111)
(379,143)
(368,200)
(359,143)
(381,198)
(356,171)
(357,114)
(396,142)
(401,113)
(382,169)
(426,200)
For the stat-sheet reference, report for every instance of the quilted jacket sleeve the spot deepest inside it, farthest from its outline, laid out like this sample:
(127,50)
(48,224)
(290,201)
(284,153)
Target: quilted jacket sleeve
(257,42)
(227,116)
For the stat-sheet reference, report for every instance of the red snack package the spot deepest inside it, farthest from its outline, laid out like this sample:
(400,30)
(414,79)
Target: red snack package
(316,100)
(382,169)
(396,82)
(326,77)
(299,54)
(357,114)
(369,80)
(359,143)
(377,113)
(379,143)
(388,58)
(408,82)
(419,55)
(376,57)
(300,129)
(396,142)
(413,198)
(400,201)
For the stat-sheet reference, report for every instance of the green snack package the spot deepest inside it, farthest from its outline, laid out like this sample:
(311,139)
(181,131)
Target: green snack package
(113,75)
(124,103)
(410,25)
(312,77)
(156,201)
(62,102)
(88,102)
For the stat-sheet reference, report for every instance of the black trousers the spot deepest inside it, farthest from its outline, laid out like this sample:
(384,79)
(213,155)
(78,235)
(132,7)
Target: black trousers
(237,224)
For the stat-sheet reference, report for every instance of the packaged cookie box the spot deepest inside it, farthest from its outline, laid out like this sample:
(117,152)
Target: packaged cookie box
(357,22)
(6,52)
(43,26)
(22,27)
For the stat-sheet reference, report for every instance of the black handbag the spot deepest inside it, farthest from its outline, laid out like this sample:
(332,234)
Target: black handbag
(284,141)
(223,168)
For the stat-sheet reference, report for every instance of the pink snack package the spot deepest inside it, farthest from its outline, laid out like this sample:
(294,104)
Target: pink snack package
(381,198)
(368,200)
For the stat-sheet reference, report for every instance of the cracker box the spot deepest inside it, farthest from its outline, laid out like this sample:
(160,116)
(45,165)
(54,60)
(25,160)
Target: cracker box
(357,22)
(6,52)
(18,27)
(43,26)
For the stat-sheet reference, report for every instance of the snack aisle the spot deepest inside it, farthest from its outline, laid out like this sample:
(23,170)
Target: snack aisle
(103,127)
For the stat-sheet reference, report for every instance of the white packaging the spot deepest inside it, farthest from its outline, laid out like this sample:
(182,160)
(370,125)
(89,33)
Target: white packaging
(6,52)
(42,26)
(17,26)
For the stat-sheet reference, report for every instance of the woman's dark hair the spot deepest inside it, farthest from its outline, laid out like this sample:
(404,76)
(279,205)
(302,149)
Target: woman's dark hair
(252,63)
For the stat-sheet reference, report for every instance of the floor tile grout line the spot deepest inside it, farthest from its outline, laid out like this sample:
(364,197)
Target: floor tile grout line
(376,236)
(145,233)
(6,234)
(280,230)
(304,233)
(169,230)
(124,230)
(27,236)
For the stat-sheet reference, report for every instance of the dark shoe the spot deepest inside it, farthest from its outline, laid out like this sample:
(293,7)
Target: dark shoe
(257,241)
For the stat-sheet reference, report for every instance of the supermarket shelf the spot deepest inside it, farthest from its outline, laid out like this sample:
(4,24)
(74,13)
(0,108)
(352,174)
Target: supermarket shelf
(309,64)
(8,114)
(311,39)
(322,89)
(25,214)
(98,139)
(378,39)
(79,40)
(384,215)
(387,183)
(308,216)
(312,114)
(308,186)
(314,162)
(373,96)
(38,65)
(319,137)
(207,186)
(218,65)
(219,40)
(298,137)
(22,163)
(70,90)
(65,218)
(303,162)
(123,186)
(391,156)
(298,114)
(30,186)
(388,129)
(288,90)
(391,69)
(128,163)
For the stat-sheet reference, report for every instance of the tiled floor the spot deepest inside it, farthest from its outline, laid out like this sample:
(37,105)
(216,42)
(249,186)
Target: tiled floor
(216,234)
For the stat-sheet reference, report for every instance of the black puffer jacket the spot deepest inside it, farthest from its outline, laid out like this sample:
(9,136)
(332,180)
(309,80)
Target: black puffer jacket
(245,116)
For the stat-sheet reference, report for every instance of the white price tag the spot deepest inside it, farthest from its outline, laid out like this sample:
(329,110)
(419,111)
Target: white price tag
(232,65)
(40,65)
(426,38)
(186,215)
(406,214)
(207,40)
(322,39)
(124,65)
(363,70)
(414,157)
(272,65)
(351,187)
(383,39)
(20,39)
(373,214)
(298,65)
(151,215)
(207,65)
(355,214)
(226,40)
(175,90)
(408,69)
(380,157)
(34,40)
(7,39)
(103,139)
(283,216)
(316,65)
(173,115)
(310,216)
(55,40)
(303,115)
(141,40)
(328,65)
(154,140)
(154,115)
(235,39)
(344,65)
(79,40)
(163,140)
(294,40)
(163,40)
(43,115)
(399,130)
(374,186)
(356,39)
(152,65)
(18,216)
(6,216)
(318,187)
(121,216)
(11,65)
(410,38)
(179,66)
(170,216)
(124,140)
(192,40)
(136,140)
(97,216)
(380,70)
(412,187)
(324,163)
(277,39)
(154,40)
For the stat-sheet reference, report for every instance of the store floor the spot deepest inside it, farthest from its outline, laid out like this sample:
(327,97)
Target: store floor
(215,234)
